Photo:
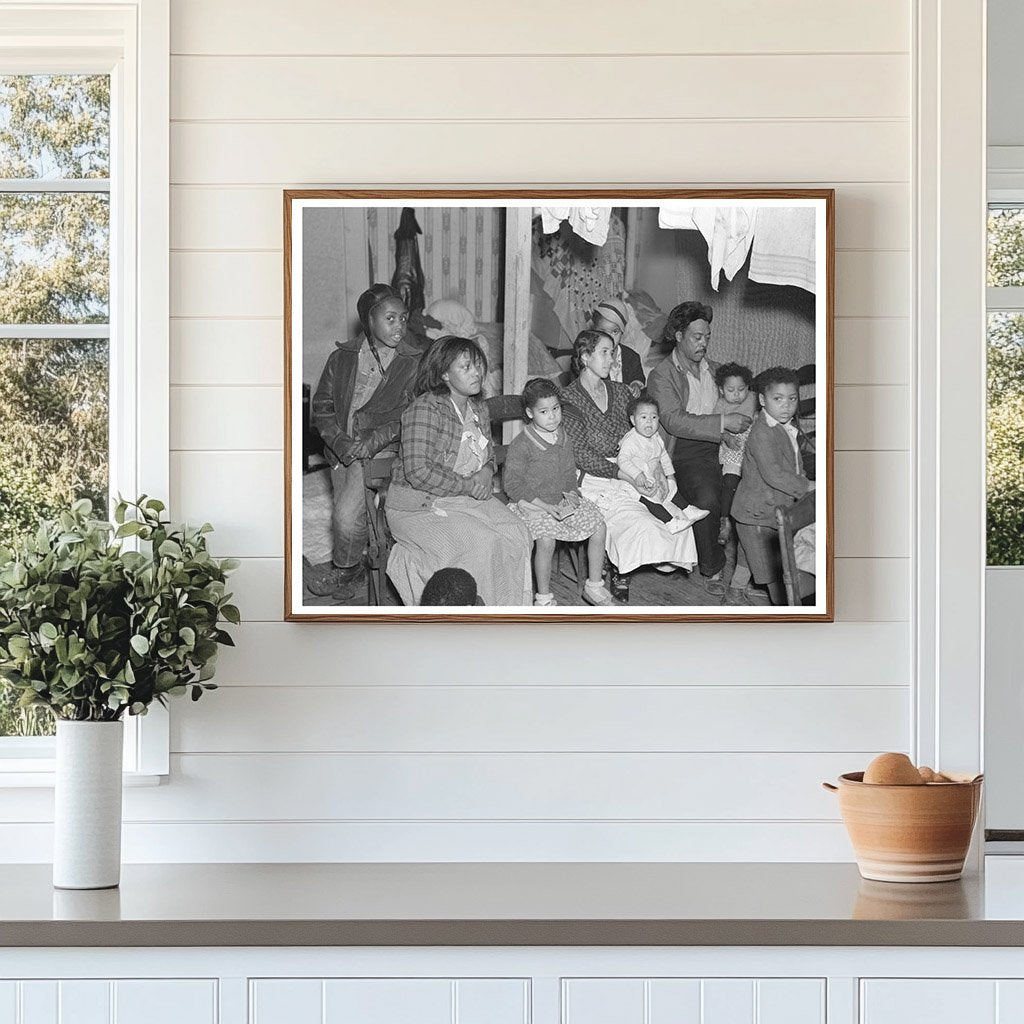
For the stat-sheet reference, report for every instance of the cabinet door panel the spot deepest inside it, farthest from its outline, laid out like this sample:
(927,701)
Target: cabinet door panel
(928,1001)
(791,1001)
(149,1001)
(84,1002)
(1010,1002)
(674,1000)
(492,1001)
(388,1001)
(603,1001)
(38,1002)
(728,1001)
(8,1002)
(286,1001)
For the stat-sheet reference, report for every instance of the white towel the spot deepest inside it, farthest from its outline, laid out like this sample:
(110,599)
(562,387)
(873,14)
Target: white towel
(783,247)
(727,230)
(589,222)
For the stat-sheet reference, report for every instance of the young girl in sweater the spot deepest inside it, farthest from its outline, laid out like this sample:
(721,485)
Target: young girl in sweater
(540,479)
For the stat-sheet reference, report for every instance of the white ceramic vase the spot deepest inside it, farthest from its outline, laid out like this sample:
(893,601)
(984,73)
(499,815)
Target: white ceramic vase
(87,805)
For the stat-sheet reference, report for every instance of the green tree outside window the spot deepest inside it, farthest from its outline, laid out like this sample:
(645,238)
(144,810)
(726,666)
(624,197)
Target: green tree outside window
(54,278)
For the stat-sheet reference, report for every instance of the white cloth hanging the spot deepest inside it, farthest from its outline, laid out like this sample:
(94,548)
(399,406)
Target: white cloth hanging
(783,250)
(728,230)
(589,222)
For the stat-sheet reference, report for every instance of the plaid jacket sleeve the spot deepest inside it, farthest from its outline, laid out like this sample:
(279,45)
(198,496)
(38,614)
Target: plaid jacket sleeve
(426,440)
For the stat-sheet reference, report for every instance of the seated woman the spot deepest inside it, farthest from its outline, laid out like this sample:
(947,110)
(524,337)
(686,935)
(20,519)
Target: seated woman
(596,419)
(357,407)
(440,507)
(611,317)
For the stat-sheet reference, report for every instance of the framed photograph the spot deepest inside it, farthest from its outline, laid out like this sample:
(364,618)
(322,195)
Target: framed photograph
(559,405)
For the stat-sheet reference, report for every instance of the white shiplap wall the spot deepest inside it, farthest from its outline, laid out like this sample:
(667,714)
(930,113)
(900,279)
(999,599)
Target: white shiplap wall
(519,742)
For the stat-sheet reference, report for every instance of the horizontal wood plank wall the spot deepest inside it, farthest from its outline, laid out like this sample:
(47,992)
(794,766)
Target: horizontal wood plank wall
(653,742)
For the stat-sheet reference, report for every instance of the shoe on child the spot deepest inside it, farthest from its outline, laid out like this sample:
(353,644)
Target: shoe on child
(595,593)
(544,601)
(691,514)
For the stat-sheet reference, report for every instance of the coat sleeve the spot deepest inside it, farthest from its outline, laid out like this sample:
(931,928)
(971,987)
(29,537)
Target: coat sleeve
(672,411)
(324,414)
(770,466)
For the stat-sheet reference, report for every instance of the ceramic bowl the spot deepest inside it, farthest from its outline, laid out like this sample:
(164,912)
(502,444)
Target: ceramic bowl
(909,833)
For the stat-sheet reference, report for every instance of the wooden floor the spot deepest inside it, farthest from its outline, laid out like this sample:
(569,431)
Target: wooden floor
(648,588)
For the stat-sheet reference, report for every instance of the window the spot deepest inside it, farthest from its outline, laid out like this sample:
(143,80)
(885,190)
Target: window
(54,308)
(1005,477)
(84,124)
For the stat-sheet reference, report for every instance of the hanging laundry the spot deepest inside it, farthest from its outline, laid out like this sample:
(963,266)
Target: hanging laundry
(728,231)
(783,251)
(589,222)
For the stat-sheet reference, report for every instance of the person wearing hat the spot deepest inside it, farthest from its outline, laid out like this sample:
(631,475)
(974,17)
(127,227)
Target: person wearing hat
(610,316)
(357,407)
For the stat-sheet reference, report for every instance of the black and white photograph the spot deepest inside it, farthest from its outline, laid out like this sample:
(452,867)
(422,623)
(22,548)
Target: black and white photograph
(559,405)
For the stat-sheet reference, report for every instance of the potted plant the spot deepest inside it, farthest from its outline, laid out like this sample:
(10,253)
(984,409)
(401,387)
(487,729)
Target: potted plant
(93,630)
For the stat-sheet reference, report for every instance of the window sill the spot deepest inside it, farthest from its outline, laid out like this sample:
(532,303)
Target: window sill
(40,774)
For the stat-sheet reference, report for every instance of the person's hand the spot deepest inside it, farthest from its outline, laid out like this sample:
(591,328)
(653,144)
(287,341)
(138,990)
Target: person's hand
(573,498)
(735,422)
(358,450)
(732,441)
(480,483)
(644,486)
(635,387)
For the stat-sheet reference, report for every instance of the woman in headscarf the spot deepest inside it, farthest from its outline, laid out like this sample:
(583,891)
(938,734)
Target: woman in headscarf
(357,407)
(611,317)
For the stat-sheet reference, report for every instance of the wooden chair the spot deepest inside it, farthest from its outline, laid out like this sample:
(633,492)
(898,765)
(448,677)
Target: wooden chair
(376,479)
(792,518)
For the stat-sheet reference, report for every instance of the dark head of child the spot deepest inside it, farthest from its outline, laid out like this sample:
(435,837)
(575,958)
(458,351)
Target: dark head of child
(383,315)
(452,365)
(644,414)
(734,382)
(451,586)
(541,404)
(778,390)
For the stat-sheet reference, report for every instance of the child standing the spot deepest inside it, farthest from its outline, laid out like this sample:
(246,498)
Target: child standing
(541,481)
(735,394)
(772,475)
(643,458)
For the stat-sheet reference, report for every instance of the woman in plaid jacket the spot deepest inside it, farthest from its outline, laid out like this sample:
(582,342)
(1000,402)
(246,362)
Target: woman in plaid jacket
(440,506)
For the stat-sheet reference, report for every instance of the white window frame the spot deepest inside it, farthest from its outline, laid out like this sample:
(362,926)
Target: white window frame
(130,41)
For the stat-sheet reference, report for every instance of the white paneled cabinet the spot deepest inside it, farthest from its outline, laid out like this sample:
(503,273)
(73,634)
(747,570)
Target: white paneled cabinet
(942,1001)
(389,1001)
(693,1001)
(103,1001)
(512,985)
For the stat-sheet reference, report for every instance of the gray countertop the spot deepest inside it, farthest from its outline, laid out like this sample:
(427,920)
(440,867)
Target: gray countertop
(517,904)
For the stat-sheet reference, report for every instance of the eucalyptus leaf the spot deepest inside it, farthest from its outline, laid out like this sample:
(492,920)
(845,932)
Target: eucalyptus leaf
(93,631)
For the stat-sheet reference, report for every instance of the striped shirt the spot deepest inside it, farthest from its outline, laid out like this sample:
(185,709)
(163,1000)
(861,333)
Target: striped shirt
(430,441)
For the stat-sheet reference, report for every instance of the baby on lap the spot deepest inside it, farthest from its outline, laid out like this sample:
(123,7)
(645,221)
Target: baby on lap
(643,459)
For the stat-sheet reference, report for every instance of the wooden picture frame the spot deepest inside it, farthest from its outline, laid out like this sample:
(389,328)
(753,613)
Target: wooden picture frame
(523,266)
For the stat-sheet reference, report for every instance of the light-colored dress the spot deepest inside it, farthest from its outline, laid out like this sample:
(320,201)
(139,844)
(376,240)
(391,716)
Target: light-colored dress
(634,536)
